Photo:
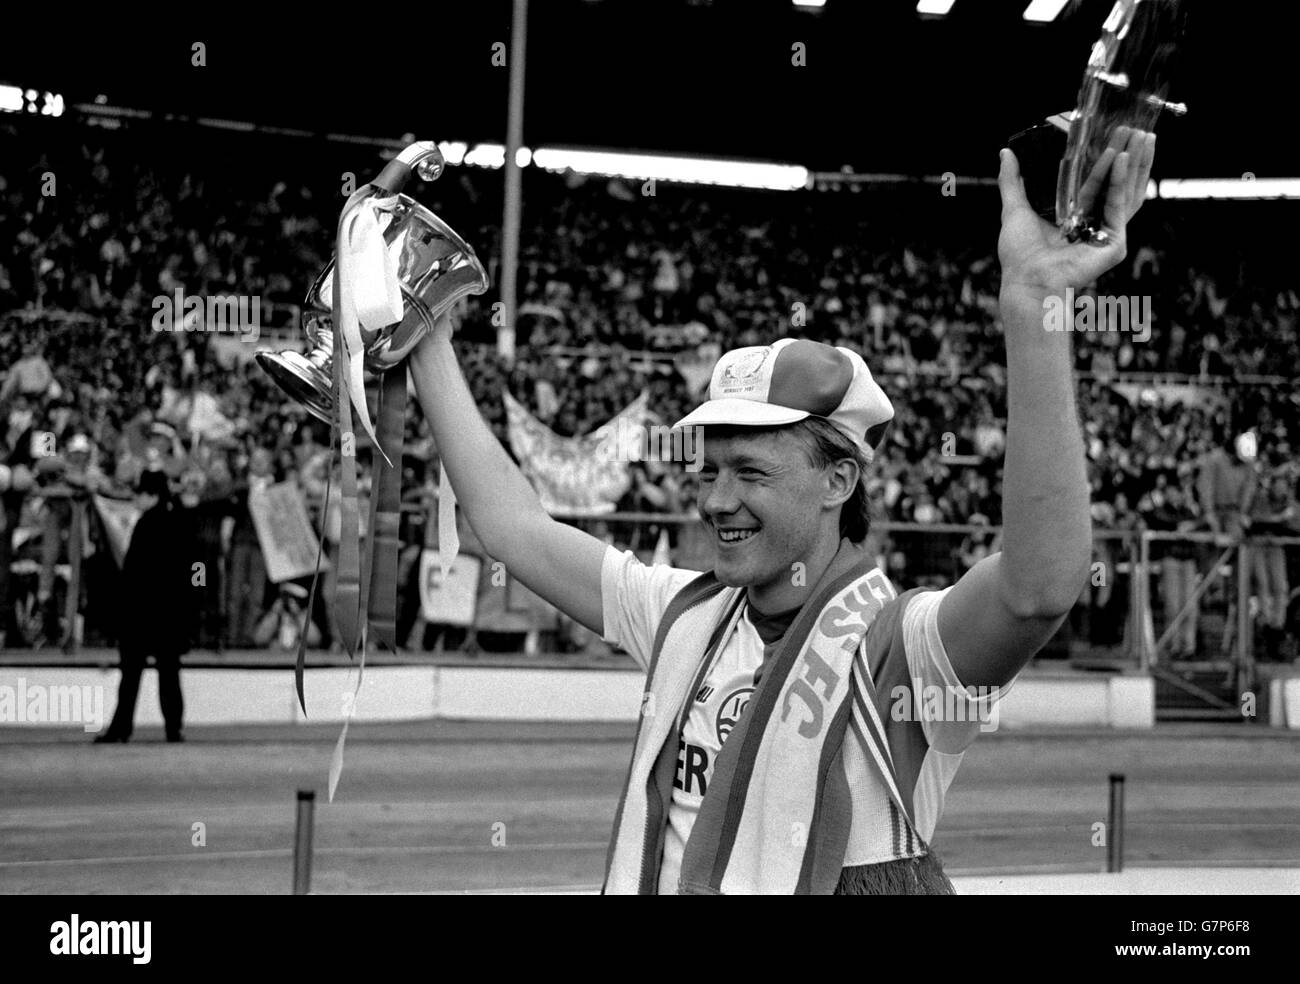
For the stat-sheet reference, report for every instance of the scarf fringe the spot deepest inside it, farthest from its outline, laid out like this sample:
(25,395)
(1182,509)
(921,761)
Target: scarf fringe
(906,876)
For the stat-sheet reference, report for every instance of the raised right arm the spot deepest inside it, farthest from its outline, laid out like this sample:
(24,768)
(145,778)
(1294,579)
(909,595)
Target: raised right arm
(558,562)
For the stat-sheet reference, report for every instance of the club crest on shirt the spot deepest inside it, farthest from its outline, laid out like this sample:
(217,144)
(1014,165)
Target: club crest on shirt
(733,705)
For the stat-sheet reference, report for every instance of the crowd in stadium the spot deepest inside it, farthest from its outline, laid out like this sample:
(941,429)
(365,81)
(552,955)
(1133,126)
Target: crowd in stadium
(623,287)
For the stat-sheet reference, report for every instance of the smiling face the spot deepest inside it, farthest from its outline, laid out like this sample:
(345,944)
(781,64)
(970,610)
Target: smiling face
(767,508)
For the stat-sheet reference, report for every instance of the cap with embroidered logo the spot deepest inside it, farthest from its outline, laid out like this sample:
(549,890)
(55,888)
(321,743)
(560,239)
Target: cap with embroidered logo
(791,380)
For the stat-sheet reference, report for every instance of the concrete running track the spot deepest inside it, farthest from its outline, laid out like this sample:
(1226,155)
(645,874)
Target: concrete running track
(441,806)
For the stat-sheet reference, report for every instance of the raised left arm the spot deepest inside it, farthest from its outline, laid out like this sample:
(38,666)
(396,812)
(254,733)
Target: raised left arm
(1007,606)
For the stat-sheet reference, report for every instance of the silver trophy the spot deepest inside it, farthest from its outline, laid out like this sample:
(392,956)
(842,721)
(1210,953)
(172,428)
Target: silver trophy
(435,268)
(1125,87)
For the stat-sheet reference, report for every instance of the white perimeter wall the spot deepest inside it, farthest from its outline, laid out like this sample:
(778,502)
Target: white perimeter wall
(396,693)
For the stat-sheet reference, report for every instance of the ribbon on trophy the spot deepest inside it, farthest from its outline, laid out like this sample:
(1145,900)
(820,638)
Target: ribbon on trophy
(366,294)
(397,267)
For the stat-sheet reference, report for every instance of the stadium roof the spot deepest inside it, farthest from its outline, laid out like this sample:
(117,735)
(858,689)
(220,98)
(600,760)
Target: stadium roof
(883,89)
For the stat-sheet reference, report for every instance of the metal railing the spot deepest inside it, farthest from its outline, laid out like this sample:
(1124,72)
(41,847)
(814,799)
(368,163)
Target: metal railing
(1116,612)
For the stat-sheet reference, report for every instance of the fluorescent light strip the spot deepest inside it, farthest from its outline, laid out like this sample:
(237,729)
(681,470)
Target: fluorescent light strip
(1228,188)
(486,155)
(695,170)
(810,3)
(934,8)
(692,170)
(97,109)
(453,151)
(225,124)
(11,99)
(1044,11)
(14,99)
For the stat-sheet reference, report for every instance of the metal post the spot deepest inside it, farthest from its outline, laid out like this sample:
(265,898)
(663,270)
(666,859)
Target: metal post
(1141,595)
(1245,635)
(513,192)
(1115,825)
(302,842)
(72,604)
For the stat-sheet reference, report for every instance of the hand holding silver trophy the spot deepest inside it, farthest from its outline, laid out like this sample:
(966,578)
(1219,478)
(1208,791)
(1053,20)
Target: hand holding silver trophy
(1124,90)
(435,269)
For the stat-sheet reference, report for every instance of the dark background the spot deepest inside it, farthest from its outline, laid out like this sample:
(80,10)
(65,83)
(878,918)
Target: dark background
(884,89)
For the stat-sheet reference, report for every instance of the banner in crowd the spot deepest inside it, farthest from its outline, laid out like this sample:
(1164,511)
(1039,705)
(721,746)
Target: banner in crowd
(696,367)
(289,544)
(541,311)
(576,476)
(119,517)
(1190,394)
(451,601)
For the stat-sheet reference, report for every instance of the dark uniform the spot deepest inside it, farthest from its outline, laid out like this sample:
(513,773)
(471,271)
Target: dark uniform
(11,502)
(157,608)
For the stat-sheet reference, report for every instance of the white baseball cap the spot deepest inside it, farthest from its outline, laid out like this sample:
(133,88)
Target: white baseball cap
(791,380)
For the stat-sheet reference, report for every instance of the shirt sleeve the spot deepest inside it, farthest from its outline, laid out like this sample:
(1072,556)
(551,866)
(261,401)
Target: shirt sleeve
(634,597)
(953,714)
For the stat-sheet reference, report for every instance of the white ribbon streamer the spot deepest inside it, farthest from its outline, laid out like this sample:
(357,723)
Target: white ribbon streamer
(349,708)
(372,296)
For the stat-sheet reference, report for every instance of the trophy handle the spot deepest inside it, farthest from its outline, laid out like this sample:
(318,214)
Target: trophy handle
(423,157)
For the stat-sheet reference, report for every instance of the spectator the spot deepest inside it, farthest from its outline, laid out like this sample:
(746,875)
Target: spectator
(1171,510)
(1274,512)
(30,375)
(1225,484)
(203,499)
(246,578)
(16,478)
(282,624)
(69,474)
(157,607)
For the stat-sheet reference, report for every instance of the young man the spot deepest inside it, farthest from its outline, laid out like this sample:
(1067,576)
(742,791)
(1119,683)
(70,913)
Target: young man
(769,756)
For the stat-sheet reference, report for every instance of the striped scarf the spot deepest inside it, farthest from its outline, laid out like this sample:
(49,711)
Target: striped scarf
(790,799)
